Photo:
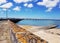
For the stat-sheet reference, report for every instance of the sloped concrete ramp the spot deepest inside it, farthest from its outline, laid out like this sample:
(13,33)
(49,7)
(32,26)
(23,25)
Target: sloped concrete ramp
(6,35)
(12,33)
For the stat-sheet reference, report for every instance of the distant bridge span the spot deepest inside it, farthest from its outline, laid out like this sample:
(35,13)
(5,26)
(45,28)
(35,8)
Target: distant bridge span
(15,20)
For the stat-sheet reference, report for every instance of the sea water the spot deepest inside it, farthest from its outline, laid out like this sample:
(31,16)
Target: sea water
(40,22)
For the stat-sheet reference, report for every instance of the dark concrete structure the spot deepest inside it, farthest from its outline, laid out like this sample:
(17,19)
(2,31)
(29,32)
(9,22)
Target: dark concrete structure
(15,20)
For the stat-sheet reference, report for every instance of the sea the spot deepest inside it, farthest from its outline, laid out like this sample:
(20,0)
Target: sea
(40,22)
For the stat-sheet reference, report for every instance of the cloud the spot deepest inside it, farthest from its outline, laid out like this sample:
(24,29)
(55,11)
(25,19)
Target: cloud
(50,4)
(27,0)
(17,8)
(25,4)
(7,5)
(21,1)
(28,5)
(49,9)
(2,1)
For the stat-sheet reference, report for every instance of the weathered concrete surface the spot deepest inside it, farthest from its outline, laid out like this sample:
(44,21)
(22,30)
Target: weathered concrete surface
(24,36)
(5,33)
(12,33)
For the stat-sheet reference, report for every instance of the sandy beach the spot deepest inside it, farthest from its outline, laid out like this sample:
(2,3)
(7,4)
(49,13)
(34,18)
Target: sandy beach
(50,35)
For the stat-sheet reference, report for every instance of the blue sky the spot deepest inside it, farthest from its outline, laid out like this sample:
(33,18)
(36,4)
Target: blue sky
(43,9)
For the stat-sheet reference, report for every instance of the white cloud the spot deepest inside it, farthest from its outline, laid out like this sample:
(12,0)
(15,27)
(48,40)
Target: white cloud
(25,4)
(17,8)
(7,5)
(49,9)
(50,4)
(2,1)
(27,0)
(20,1)
(30,5)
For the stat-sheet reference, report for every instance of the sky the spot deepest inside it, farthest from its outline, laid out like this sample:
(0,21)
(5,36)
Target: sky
(40,9)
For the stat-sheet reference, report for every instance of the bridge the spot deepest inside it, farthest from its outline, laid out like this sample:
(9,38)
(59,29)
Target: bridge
(15,20)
